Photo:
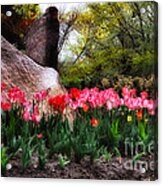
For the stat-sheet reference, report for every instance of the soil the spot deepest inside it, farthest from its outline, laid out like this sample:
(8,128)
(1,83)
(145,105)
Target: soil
(111,170)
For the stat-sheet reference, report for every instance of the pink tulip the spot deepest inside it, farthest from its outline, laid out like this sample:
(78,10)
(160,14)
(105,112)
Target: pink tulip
(74,105)
(16,95)
(125,91)
(39,96)
(92,101)
(121,102)
(144,95)
(94,90)
(27,105)
(36,110)
(152,112)
(2,98)
(133,92)
(36,118)
(26,116)
(150,105)
(108,105)
(145,103)
(39,136)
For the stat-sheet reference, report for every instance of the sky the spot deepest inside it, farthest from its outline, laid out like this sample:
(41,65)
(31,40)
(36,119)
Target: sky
(62,6)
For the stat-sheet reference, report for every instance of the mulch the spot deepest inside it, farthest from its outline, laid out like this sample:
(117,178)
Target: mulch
(114,169)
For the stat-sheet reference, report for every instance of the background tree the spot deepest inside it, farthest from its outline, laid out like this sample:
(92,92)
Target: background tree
(14,27)
(114,38)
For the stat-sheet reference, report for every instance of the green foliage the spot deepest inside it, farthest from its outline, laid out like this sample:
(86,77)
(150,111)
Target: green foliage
(27,10)
(114,38)
(106,138)
(28,148)
(142,130)
(58,137)
(5,157)
(105,154)
(10,130)
(84,140)
(62,161)
(25,14)
(41,148)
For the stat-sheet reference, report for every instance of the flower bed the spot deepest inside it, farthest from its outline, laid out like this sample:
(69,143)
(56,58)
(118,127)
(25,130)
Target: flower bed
(106,125)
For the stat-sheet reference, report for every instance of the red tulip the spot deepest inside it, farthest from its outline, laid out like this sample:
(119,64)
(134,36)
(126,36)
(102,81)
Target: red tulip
(6,106)
(3,86)
(95,122)
(58,102)
(85,107)
(139,114)
(75,93)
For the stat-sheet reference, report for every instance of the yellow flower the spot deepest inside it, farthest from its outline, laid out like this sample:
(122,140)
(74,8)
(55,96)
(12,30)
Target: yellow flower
(129,118)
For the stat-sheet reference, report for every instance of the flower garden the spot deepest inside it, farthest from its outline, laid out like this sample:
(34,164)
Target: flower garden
(104,124)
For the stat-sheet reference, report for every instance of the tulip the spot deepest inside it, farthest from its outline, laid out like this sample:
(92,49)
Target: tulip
(26,116)
(85,107)
(129,118)
(39,96)
(39,136)
(139,114)
(6,106)
(58,102)
(144,95)
(36,118)
(109,105)
(16,95)
(3,87)
(133,92)
(94,122)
